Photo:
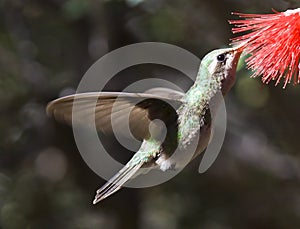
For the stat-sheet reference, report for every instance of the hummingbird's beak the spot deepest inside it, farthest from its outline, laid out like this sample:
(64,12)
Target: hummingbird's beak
(237,51)
(239,48)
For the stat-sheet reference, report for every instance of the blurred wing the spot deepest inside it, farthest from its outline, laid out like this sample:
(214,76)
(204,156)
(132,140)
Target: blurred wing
(123,109)
(166,93)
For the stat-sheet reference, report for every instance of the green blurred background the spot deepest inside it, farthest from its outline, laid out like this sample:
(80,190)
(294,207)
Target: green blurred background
(46,47)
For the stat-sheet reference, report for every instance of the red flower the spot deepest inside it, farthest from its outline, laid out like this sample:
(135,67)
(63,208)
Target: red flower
(274,42)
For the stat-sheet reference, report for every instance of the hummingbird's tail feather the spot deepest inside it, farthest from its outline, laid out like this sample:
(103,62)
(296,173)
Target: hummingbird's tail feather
(116,182)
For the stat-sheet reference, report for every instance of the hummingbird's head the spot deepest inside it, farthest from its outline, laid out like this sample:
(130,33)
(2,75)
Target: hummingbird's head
(221,65)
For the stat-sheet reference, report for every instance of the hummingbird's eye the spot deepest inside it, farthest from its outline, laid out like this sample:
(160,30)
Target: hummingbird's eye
(221,57)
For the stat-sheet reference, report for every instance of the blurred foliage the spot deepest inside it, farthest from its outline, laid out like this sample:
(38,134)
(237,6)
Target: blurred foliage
(46,47)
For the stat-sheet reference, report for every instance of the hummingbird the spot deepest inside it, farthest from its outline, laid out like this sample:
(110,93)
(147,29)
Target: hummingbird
(190,118)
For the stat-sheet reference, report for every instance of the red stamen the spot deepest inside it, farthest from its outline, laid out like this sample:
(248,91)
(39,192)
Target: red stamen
(274,44)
